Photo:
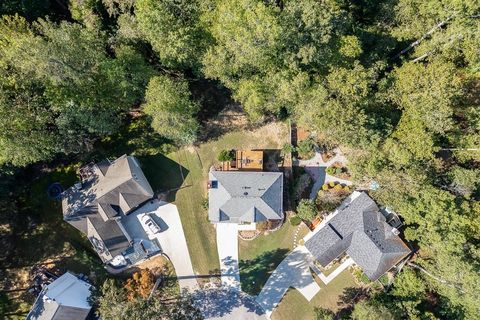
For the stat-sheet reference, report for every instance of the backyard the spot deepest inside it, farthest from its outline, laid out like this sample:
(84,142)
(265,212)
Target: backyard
(189,199)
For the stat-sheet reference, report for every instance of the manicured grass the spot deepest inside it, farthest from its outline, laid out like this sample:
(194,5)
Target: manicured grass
(331,296)
(196,162)
(259,257)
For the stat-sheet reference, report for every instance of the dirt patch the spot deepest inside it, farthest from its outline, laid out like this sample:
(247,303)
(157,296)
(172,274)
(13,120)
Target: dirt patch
(157,266)
(302,134)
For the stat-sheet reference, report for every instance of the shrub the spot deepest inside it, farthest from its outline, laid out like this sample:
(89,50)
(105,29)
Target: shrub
(287,148)
(305,148)
(225,155)
(306,209)
(338,187)
(330,170)
(325,187)
(346,188)
(338,171)
(331,184)
(295,220)
(205,203)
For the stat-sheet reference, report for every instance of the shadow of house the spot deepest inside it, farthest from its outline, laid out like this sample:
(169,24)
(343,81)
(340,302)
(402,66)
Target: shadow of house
(254,273)
(166,175)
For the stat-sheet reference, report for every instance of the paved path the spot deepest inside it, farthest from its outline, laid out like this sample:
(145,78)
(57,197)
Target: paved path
(327,279)
(227,246)
(172,240)
(294,272)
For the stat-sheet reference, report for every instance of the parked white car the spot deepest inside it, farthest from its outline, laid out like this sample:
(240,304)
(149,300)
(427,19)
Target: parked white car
(150,226)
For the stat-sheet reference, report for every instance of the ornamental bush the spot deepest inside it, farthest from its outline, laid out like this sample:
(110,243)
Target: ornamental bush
(306,209)
(295,220)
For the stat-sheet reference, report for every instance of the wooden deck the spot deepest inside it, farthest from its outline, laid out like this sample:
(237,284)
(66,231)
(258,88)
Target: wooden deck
(245,160)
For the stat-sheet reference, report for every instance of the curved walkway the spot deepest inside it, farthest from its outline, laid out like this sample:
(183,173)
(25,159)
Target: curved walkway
(293,271)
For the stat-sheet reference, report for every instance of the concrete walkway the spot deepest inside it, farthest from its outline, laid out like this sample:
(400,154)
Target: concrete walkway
(172,240)
(293,271)
(227,246)
(327,279)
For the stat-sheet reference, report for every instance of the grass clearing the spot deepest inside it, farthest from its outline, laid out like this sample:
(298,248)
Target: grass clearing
(331,296)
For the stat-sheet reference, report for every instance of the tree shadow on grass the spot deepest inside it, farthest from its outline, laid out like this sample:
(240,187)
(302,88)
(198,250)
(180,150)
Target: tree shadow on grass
(254,273)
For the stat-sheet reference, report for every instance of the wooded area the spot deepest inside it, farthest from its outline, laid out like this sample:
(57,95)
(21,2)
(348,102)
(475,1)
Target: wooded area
(395,83)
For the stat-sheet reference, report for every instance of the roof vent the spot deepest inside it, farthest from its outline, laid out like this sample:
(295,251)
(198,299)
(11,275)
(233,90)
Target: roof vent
(245,193)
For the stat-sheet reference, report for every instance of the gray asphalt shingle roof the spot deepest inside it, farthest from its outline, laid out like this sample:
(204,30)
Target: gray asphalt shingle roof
(114,189)
(360,230)
(64,299)
(239,196)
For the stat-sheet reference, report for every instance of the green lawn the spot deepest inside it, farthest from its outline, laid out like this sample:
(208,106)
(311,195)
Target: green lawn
(259,257)
(331,296)
(196,162)
(47,237)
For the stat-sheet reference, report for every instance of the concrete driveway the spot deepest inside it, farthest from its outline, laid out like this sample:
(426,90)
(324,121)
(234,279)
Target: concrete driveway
(228,304)
(294,272)
(172,239)
(227,246)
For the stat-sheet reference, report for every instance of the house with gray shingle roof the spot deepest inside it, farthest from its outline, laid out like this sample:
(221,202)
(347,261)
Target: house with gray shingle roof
(358,228)
(95,207)
(245,197)
(66,298)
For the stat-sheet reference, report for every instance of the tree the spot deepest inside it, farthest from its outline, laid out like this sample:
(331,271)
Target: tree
(306,209)
(246,35)
(305,148)
(113,304)
(168,103)
(139,285)
(65,89)
(364,310)
(174,30)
